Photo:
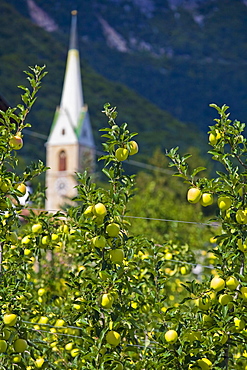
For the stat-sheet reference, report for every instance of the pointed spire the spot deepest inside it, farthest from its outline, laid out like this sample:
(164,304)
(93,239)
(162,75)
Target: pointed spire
(73,32)
(72,96)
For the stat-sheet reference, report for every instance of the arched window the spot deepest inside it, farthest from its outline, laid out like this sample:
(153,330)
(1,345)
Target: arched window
(62,162)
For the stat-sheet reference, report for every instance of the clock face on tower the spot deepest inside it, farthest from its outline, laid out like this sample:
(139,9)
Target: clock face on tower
(61,185)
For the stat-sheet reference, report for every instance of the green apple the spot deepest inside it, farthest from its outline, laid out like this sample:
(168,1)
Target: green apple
(3,345)
(133,147)
(217,283)
(207,320)
(99,241)
(16,142)
(242,246)
(106,300)
(20,345)
(203,303)
(5,334)
(224,299)
(121,154)
(232,283)
(113,230)
(10,319)
(113,338)
(171,336)
(117,256)
(224,203)
(194,195)
(241,216)
(5,185)
(206,199)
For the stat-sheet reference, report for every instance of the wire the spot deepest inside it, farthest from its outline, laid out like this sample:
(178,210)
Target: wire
(130,161)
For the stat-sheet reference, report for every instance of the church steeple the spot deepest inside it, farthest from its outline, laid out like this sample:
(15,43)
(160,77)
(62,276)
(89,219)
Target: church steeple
(70,143)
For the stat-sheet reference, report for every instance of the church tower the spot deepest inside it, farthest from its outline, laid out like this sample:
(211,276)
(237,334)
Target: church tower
(70,146)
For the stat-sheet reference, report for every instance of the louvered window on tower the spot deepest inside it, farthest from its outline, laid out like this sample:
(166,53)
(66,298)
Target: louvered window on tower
(62,161)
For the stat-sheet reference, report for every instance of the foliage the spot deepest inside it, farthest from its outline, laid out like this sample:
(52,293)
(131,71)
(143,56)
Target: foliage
(81,291)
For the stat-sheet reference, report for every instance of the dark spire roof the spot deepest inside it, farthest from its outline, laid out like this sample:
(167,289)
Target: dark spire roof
(73,32)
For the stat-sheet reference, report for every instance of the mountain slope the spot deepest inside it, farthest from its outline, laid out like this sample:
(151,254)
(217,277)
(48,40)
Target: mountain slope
(25,44)
(179,54)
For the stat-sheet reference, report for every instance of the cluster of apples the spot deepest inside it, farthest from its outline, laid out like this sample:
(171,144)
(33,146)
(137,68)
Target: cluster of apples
(122,153)
(194,195)
(9,337)
(112,229)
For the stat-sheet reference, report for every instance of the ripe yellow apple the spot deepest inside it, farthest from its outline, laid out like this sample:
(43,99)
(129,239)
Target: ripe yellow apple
(45,240)
(41,292)
(184,270)
(241,216)
(89,211)
(112,230)
(224,203)
(54,237)
(204,363)
(217,283)
(239,323)
(20,345)
(171,336)
(117,256)
(39,362)
(106,300)
(3,345)
(232,282)
(133,147)
(10,319)
(22,188)
(99,241)
(15,359)
(113,338)
(69,346)
(75,352)
(168,256)
(243,294)
(99,210)
(121,154)
(25,240)
(207,199)
(194,195)
(224,299)
(242,246)
(214,137)
(37,228)
(16,142)
(43,320)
